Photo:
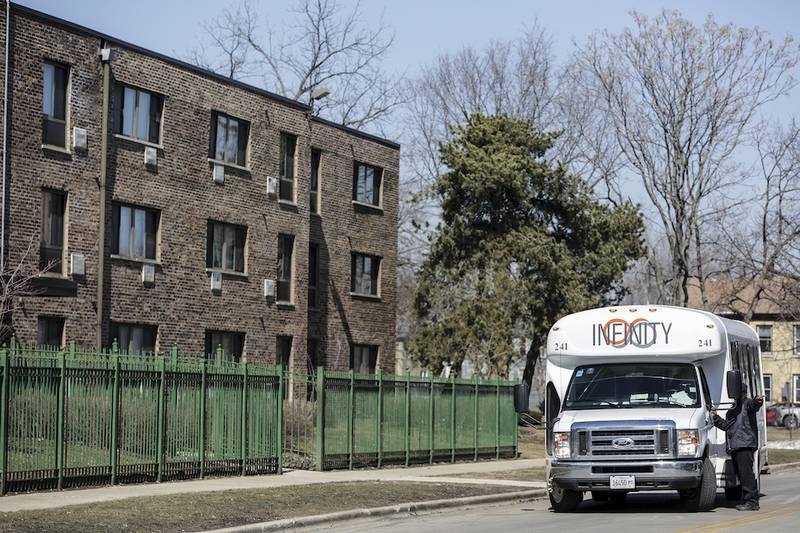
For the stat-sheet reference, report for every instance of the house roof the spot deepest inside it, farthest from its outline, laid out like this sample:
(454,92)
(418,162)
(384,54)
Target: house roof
(732,296)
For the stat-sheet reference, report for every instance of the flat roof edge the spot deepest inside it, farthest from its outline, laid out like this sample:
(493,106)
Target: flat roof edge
(199,70)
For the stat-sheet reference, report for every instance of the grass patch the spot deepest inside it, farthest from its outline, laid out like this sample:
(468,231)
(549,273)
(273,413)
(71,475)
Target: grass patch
(781,433)
(209,510)
(531,443)
(778,456)
(522,474)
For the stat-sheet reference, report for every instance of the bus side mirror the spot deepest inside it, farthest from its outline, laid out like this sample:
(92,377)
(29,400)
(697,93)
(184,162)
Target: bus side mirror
(734,383)
(521,395)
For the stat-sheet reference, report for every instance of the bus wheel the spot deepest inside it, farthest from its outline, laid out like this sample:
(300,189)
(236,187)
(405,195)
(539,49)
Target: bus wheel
(600,496)
(564,500)
(733,494)
(702,497)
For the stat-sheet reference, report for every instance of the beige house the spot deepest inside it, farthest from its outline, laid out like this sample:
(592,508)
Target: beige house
(778,327)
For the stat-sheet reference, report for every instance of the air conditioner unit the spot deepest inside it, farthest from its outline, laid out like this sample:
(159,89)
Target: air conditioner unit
(219,174)
(148,274)
(216,281)
(269,289)
(80,139)
(150,156)
(272,186)
(77,265)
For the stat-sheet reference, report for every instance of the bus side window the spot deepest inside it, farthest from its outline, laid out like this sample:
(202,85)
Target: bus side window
(553,407)
(706,391)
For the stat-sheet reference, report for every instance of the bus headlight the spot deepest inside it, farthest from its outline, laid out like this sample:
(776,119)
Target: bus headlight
(561,445)
(687,442)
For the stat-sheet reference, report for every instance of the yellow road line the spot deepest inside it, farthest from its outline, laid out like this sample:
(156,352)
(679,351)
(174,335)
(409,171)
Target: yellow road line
(743,520)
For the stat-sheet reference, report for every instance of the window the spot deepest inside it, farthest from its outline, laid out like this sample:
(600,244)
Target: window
(134,338)
(50,331)
(363,358)
(54,105)
(367,184)
(230,343)
(768,387)
(313,276)
(51,249)
(312,362)
(797,339)
(135,231)
(364,272)
(283,356)
(288,149)
(283,350)
(316,159)
(765,338)
(137,113)
(285,260)
(230,137)
(225,246)
(797,387)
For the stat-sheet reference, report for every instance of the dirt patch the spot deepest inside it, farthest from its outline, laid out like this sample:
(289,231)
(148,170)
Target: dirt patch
(210,510)
(523,474)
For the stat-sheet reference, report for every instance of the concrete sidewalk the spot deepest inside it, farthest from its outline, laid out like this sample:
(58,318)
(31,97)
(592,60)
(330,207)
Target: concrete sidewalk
(47,500)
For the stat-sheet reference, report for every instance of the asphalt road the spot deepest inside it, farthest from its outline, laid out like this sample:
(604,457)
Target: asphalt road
(650,512)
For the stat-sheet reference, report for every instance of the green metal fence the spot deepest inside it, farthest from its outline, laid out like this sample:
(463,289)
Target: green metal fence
(374,420)
(70,417)
(78,418)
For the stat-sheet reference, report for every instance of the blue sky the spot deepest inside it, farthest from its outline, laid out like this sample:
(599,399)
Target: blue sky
(424,28)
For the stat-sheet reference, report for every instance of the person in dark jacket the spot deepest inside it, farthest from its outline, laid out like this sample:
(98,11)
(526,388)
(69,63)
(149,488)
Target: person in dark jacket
(741,433)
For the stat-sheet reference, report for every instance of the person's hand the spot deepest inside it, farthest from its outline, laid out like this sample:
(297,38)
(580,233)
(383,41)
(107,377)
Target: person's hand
(759,399)
(713,413)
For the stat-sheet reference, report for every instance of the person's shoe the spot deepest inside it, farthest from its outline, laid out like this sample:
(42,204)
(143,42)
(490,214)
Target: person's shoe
(748,507)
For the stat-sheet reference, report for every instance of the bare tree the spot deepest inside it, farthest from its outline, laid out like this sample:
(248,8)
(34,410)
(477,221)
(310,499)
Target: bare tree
(322,45)
(17,280)
(760,239)
(682,100)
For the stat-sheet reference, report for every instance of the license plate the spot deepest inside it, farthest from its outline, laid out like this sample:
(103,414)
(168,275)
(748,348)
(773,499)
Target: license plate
(622,482)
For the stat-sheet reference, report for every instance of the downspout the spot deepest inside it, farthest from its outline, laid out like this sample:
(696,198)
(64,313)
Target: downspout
(105,58)
(5,143)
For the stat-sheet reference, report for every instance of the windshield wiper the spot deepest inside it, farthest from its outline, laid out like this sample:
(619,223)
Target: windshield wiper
(595,403)
(663,402)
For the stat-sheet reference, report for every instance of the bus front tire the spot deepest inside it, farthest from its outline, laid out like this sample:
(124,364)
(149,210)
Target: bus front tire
(701,497)
(564,500)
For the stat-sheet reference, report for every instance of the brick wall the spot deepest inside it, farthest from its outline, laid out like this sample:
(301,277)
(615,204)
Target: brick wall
(181,188)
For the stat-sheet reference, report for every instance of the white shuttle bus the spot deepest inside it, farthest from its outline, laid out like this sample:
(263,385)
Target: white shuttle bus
(628,398)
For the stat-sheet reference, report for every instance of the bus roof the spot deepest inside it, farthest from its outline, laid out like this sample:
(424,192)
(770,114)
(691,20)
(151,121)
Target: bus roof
(644,330)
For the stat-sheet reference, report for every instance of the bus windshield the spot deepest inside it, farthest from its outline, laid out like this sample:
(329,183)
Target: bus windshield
(633,385)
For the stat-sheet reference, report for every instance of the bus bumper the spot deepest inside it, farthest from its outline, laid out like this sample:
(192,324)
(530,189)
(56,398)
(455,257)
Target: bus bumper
(650,475)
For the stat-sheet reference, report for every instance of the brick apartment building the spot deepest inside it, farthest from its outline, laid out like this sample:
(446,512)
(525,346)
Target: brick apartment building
(204,212)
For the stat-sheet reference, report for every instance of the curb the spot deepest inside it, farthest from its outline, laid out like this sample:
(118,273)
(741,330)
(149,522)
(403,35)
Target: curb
(774,469)
(303,521)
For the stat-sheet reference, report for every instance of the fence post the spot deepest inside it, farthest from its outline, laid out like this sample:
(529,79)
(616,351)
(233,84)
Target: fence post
(407,435)
(244,418)
(452,418)
(162,387)
(62,364)
(279,421)
(497,421)
(379,416)
(430,417)
(320,418)
(475,421)
(202,451)
(4,407)
(114,414)
(350,419)
(515,417)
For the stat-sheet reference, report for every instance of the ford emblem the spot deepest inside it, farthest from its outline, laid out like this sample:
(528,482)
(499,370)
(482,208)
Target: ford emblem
(622,442)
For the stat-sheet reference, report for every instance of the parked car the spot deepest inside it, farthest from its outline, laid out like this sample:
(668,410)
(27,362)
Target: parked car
(784,414)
